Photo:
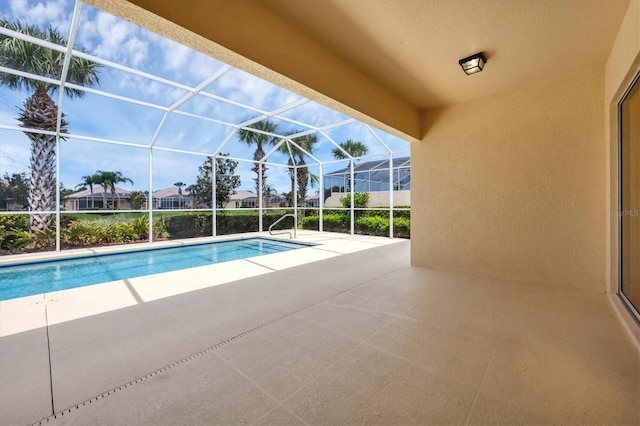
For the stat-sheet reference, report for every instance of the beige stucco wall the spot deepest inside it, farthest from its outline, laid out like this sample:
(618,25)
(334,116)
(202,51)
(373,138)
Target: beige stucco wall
(623,64)
(512,185)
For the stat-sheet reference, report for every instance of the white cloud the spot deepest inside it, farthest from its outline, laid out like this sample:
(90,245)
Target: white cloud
(41,13)
(14,152)
(136,49)
(183,62)
(252,91)
(112,33)
(176,56)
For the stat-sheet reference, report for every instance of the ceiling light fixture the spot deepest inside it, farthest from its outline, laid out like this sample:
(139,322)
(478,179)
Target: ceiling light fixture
(473,64)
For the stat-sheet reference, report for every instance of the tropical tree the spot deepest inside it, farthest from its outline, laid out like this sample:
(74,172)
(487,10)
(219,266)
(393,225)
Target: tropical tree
(179,185)
(296,161)
(260,139)
(14,190)
(193,193)
(88,181)
(39,111)
(305,178)
(109,180)
(290,151)
(226,181)
(137,199)
(353,148)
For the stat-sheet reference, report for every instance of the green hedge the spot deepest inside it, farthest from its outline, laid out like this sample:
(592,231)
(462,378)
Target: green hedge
(192,225)
(15,237)
(366,225)
(374,212)
(90,233)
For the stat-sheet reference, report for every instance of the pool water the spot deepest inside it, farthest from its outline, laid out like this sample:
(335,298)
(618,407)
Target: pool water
(44,277)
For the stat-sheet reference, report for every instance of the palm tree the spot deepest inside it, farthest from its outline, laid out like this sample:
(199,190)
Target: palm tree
(88,180)
(354,149)
(193,190)
(290,151)
(179,185)
(307,143)
(109,180)
(260,140)
(39,111)
(296,160)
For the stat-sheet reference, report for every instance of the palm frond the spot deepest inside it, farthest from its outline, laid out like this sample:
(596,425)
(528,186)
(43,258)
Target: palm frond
(35,59)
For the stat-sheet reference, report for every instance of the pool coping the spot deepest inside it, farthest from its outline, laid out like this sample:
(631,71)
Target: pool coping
(76,253)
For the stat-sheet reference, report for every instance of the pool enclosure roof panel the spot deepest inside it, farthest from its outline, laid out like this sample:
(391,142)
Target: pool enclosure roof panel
(154,93)
(399,162)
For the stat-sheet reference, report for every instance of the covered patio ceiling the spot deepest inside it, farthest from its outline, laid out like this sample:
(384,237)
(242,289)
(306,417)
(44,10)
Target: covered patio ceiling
(389,61)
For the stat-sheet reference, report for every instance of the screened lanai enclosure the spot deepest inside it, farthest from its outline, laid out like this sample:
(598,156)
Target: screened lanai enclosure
(110,133)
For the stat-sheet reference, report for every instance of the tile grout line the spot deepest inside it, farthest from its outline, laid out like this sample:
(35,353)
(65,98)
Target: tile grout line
(284,408)
(210,349)
(46,319)
(486,370)
(278,404)
(261,265)
(345,355)
(159,370)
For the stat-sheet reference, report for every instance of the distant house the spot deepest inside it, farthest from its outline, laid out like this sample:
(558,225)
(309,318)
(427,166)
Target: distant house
(248,199)
(311,201)
(85,200)
(171,198)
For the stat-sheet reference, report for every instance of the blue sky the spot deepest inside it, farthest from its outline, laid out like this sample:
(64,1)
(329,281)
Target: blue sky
(113,39)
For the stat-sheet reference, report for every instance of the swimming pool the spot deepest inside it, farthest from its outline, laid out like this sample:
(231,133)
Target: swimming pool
(44,277)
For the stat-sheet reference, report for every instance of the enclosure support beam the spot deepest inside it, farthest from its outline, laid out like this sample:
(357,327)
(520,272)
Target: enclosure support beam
(352,188)
(150,196)
(295,191)
(260,192)
(214,195)
(320,199)
(391,188)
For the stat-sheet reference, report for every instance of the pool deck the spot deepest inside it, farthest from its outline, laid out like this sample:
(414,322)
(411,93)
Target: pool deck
(71,304)
(344,332)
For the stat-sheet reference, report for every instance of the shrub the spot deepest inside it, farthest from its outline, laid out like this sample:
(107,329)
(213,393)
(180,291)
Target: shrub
(372,225)
(401,227)
(88,233)
(14,221)
(360,200)
(15,240)
(45,239)
(80,233)
(14,232)
(311,222)
(331,222)
(367,225)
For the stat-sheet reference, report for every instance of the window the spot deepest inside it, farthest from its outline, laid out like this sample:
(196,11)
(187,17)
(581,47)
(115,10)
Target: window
(629,211)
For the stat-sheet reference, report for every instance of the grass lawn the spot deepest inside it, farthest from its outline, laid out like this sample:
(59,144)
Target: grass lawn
(119,216)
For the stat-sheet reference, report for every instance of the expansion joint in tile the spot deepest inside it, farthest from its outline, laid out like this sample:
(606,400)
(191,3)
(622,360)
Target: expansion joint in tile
(46,318)
(154,373)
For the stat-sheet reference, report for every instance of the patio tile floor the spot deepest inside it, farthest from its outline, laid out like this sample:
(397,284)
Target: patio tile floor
(357,338)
